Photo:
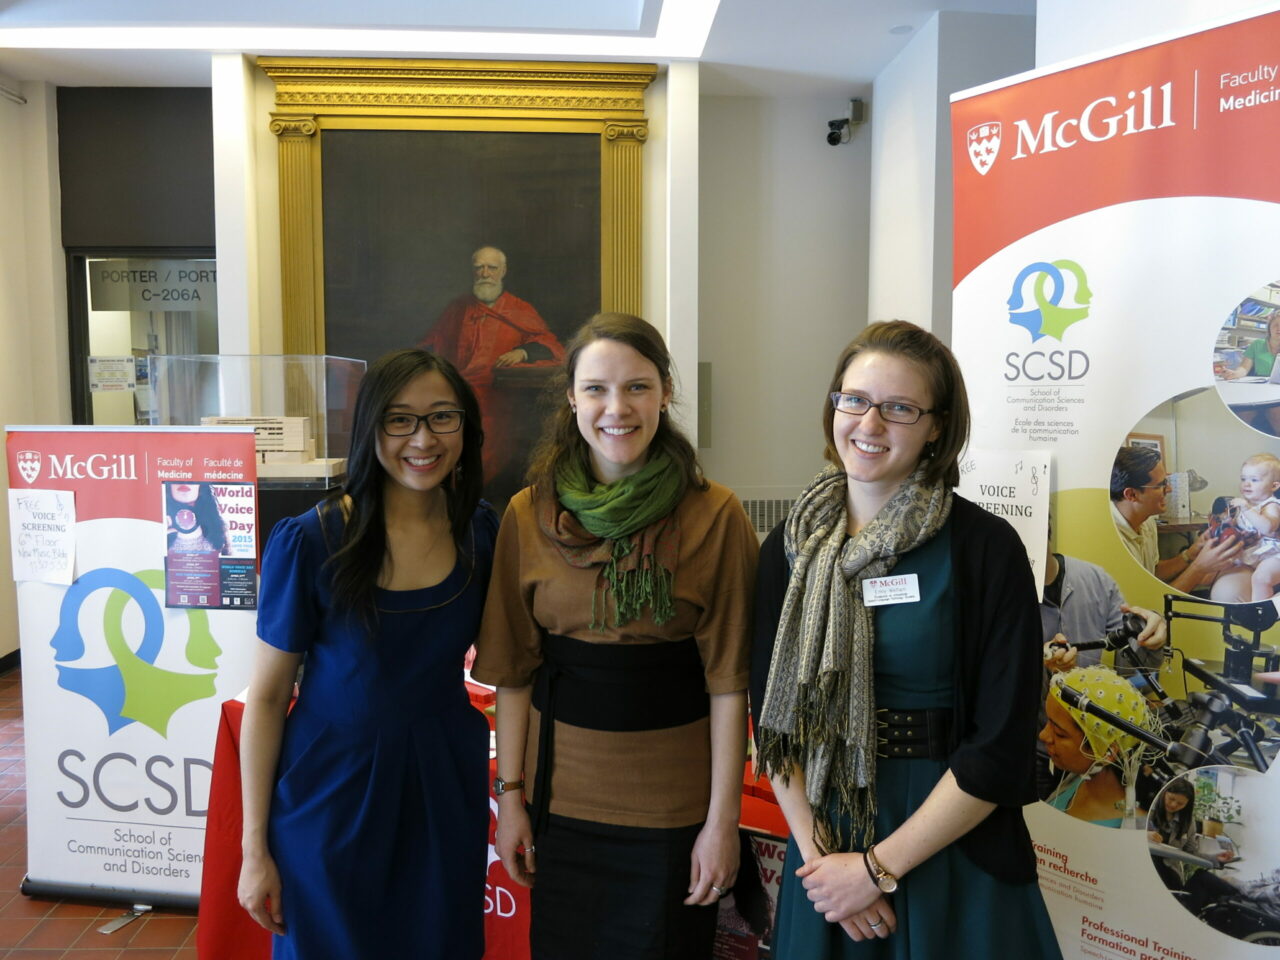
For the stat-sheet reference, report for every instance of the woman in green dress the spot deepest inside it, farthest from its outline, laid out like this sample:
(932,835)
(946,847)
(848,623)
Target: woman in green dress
(895,674)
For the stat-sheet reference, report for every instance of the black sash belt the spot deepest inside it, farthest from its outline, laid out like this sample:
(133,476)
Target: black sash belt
(615,687)
(905,734)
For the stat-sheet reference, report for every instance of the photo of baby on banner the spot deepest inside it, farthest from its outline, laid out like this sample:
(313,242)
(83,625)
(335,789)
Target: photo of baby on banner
(1195,499)
(1212,836)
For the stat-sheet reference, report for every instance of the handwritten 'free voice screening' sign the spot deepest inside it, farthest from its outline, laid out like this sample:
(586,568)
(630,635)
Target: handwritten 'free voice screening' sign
(42,524)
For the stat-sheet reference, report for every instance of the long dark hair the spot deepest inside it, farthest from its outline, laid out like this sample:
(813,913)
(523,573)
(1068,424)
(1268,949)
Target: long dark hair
(561,438)
(357,563)
(212,527)
(1180,823)
(897,338)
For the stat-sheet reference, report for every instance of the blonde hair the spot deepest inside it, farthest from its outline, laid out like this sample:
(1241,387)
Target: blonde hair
(1268,460)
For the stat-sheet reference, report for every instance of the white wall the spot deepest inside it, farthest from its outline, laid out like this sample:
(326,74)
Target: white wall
(911,209)
(1259,832)
(671,254)
(783,253)
(34,384)
(237,203)
(904,162)
(1066,29)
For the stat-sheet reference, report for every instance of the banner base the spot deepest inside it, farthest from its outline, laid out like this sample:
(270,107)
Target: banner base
(53,890)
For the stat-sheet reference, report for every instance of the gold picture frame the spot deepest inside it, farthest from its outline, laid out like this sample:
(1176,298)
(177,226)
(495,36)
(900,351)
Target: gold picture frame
(314,95)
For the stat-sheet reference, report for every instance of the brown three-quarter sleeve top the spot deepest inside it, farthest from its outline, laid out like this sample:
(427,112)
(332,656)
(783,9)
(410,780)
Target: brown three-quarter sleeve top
(646,778)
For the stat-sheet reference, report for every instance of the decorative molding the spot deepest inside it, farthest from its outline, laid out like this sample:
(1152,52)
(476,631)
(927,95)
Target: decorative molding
(621,213)
(294,126)
(633,130)
(313,95)
(301,284)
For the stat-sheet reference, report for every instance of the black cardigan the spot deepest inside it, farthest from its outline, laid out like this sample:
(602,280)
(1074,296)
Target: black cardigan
(997,663)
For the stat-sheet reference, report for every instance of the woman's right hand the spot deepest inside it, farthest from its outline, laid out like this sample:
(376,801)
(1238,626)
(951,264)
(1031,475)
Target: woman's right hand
(259,891)
(514,840)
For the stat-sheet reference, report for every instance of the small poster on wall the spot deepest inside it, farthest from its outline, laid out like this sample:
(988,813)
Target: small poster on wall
(43,539)
(1013,484)
(209,544)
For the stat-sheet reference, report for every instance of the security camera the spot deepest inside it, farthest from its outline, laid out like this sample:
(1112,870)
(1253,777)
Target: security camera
(835,131)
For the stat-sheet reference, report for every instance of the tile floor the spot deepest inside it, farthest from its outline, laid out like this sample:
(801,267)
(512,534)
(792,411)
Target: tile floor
(62,929)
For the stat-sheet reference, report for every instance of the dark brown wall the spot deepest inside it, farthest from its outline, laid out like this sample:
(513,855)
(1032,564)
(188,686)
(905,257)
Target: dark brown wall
(136,166)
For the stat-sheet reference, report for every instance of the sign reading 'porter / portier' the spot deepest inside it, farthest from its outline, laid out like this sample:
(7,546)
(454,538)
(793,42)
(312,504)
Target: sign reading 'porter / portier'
(142,285)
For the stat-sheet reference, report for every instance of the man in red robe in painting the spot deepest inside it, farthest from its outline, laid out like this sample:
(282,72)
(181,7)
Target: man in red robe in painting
(483,331)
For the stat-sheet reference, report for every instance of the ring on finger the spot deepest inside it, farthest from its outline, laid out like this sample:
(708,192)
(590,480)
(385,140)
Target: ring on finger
(875,925)
(720,891)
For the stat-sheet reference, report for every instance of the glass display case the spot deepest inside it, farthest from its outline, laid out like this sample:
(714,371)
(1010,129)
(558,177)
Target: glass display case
(299,406)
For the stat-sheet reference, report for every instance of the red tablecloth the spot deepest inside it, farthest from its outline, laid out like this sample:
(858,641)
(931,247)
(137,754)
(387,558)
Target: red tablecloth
(226,932)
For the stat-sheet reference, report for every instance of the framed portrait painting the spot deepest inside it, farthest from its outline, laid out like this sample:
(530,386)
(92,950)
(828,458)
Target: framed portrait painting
(483,210)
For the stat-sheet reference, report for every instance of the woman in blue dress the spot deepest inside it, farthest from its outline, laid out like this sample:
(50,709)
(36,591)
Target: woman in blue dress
(895,674)
(365,811)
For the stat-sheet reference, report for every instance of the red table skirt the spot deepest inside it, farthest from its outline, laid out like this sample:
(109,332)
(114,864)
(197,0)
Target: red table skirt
(226,932)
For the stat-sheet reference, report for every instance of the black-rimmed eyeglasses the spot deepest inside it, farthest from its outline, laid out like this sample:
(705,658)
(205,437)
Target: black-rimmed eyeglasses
(894,411)
(437,421)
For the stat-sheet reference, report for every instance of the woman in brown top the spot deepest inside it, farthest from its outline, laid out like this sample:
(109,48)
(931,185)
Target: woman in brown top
(619,610)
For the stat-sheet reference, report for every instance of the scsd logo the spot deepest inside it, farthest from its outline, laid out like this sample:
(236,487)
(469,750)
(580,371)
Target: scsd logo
(1054,365)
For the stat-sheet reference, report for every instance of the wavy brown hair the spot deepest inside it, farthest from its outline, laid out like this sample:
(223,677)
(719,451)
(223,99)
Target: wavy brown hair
(561,438)
(936,363)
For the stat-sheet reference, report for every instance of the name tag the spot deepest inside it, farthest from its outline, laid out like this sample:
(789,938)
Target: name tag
(902,588)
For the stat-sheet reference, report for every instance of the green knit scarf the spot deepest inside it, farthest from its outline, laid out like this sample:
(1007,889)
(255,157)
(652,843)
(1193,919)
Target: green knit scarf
(626,527)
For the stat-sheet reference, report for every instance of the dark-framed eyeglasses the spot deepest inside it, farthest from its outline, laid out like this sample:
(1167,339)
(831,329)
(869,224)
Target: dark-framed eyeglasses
(894,411)
(437,421)
(1162,485)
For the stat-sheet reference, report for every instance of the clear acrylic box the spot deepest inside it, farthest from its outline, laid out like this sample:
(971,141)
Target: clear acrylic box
(299,405)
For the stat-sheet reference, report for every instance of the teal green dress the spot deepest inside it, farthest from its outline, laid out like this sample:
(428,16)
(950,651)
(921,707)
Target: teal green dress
(947,908)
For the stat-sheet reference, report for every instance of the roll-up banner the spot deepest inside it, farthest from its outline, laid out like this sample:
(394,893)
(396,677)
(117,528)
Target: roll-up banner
(134,551)
(1117,306)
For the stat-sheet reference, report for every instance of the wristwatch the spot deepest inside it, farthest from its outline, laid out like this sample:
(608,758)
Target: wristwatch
(501,786)
(881,877)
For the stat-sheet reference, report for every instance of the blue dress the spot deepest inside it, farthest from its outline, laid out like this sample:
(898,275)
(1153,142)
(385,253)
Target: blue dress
(379,819)
(947,908)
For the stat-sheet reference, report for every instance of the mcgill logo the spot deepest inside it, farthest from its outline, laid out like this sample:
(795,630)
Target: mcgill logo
(97,466)
(29,464)
(1148,109)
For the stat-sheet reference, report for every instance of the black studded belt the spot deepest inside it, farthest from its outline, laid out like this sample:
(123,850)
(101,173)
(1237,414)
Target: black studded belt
(913,734)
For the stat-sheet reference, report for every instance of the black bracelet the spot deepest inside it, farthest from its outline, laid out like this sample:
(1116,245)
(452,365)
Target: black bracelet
(866,862)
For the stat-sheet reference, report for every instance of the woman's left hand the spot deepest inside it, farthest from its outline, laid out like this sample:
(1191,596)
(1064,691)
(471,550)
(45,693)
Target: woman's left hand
(878,920)
(838,885)
(714,864)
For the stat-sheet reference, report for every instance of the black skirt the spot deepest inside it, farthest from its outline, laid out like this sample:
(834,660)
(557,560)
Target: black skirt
(605,892)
